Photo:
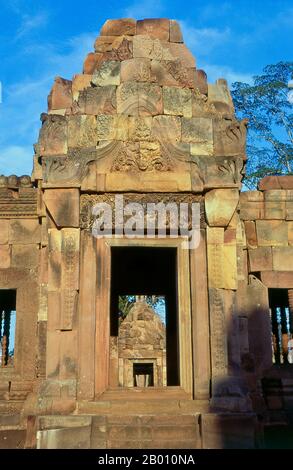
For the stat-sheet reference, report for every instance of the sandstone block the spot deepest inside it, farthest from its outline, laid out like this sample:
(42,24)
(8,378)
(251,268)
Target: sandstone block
(229,136)
(55,240)
(145,46)
(275,204)
(229,267)
(140,128)
(276,182)
(43,303)
(66,438)
(251,205)
(24,231)
(289,210)
(251,196)
(105,129)
(121,127)
(278,280)
(82,131)
(181,52)
(127,99)
(107,74)
(290,233)
(60,96)
(250,231)
(70,259)
(121,49)
(89,182)
(138,70)
(54,283)
(26,256)
(121,27)
(200,81)
(80,83)
(53,135)
(230,236)
(112,127)
(63,205)
(282,258)
(275,210)
(149,99)
(104,43)
(215,235)
(54,309)
(251,210)
(98,100)
(154,28)
(220,205)
(167,128)
(141,99)
(5,256)
(272,233)
(275,195)
(92,62)
(175,32)
(226,431)
(260,259)
(177,101)
(149,181)
(172,73)
(220,97)
(4,231)
(222,266)
(198,132)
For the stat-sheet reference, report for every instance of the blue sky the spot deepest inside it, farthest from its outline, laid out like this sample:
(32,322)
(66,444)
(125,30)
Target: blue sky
(41,39)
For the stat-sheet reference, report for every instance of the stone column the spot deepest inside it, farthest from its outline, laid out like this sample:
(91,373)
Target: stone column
(229,392)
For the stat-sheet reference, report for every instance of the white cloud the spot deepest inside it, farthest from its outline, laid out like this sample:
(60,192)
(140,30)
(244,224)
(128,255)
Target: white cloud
(203,40)
(29,23)
(15,159)
(23,102)
(223,71)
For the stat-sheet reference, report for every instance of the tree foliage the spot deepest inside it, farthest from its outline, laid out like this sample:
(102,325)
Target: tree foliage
(126,302)
(267,105)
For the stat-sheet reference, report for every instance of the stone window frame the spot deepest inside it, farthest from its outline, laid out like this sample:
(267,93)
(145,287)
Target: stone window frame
(24,281)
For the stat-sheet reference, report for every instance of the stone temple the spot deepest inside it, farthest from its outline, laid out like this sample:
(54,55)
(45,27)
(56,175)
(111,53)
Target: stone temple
(142,122)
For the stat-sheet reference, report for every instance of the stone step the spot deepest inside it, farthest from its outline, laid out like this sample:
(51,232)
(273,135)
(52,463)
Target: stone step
(119,432)
(142,407)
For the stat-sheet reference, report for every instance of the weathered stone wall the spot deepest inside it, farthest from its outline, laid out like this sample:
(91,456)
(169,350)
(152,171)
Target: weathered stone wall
(20,240)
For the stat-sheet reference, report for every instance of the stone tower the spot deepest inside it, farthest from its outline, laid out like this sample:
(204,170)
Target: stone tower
(142,122)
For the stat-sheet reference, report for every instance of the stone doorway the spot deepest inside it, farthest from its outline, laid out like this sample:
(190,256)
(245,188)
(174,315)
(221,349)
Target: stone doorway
(144,339)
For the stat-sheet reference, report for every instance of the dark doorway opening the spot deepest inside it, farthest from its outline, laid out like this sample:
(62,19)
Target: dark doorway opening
(282,326)
(148,271)
(144,371)
(7,326)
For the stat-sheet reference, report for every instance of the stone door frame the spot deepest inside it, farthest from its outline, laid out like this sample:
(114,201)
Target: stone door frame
(94,313)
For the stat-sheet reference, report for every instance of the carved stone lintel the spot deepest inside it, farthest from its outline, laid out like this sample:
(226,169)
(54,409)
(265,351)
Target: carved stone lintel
(22,203)
(87,203)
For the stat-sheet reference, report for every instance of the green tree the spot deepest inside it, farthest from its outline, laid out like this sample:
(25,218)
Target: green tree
(267,105)
(126,301)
